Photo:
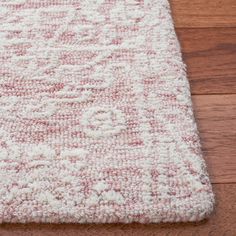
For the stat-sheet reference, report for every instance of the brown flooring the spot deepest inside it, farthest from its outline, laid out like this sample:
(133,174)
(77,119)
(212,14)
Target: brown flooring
(207,33)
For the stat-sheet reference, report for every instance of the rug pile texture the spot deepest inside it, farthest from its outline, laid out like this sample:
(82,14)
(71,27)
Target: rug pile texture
(96,119)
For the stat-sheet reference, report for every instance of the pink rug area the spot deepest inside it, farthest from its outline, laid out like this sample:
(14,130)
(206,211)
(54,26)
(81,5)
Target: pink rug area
(96,119)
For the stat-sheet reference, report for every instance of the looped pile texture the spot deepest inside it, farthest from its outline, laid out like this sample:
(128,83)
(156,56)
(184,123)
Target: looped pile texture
(96,120)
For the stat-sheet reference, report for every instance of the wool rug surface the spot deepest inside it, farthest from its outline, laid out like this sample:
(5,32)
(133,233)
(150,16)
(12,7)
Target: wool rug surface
(96,119)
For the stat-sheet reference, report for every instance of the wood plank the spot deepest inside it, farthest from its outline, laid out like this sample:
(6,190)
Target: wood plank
(202,13)
(216,117)
(210,55)
(222,222)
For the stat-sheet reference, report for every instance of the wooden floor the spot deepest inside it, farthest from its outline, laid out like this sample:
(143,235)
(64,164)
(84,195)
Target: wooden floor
(207,33)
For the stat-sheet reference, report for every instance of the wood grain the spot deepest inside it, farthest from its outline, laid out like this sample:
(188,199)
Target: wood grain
(221,223)
(216,117)
(210,55)
(204,14)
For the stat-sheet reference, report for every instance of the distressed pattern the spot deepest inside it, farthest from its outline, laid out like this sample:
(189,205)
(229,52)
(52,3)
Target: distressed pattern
(96,120)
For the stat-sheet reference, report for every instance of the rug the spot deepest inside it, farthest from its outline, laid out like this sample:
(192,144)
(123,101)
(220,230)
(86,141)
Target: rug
(96,118)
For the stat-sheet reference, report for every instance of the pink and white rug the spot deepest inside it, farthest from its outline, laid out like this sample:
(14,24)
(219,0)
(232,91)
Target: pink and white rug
(96,120)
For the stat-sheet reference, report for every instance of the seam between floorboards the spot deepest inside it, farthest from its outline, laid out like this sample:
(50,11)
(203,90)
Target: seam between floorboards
(205,28)
(213,94)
